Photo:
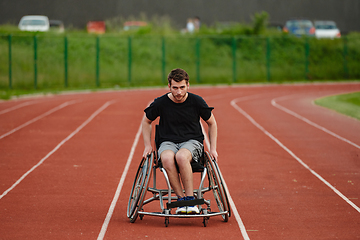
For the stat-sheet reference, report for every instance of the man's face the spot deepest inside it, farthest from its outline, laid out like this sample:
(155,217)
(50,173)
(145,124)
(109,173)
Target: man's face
(179,90)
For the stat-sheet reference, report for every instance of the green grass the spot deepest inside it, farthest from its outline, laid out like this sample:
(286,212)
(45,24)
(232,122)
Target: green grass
(348,104)
(7,94)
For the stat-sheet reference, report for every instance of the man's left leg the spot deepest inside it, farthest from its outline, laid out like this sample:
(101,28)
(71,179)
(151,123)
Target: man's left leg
(183,158)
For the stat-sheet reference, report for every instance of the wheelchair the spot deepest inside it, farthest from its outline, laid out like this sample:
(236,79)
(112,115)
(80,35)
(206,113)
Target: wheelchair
(143,193)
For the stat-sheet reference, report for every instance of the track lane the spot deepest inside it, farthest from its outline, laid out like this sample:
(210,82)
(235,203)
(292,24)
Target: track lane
(23,149)
(81,177)
(65,104)
(344,138)
(5,108)
(307,110)
(279,126)
(72,134)
(19,116)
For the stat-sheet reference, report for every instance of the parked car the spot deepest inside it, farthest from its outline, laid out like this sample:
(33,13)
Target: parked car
(326,29)
(299,27)
(97,27)
(34,23)
(57,26)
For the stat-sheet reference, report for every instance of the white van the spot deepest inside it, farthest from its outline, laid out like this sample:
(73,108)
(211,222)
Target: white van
(34,23)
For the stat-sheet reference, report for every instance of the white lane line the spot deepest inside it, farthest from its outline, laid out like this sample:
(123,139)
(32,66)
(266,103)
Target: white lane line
(275,104)
(38,118)
(233,103)
(118,190)
(232,204)
(16,107)
(57,147)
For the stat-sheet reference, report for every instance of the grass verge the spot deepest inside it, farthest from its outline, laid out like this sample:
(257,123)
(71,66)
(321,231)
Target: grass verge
(348,104)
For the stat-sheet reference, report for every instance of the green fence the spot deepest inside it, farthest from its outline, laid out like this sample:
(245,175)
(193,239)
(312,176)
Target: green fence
(41,61)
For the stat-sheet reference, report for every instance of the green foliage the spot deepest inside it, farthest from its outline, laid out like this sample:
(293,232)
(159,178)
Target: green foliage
(260,22)
(8,28)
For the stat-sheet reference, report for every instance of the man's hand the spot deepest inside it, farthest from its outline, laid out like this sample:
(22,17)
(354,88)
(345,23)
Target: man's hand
(147,151)
(213,154)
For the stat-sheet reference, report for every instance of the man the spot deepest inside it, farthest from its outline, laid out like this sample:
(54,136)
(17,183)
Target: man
(181,137)
(197,23)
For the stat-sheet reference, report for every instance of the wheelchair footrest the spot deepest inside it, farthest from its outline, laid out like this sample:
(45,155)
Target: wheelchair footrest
(185,203)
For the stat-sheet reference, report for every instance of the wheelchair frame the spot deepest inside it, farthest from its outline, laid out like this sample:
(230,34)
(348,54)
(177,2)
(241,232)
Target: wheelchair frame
(147,168)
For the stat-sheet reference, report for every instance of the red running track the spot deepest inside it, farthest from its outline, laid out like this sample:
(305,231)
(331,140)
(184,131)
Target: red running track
(292,168)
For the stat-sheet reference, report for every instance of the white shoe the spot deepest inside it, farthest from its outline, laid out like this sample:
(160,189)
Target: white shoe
(192,210)
(181,210)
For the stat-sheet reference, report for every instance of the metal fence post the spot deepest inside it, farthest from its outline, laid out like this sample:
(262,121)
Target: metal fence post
(346,71)
(97,61)
(197,50)
(268,49)
(66,61)
(129,59)
(163,60)
(35,61)
(10,62)
(234,58)
(307,50)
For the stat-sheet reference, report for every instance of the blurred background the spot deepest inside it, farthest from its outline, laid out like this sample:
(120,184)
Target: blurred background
(346,13)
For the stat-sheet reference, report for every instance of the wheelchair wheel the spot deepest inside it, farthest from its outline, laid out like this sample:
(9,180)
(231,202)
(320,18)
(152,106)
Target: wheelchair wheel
(222,183)
(139,187)
(215,183)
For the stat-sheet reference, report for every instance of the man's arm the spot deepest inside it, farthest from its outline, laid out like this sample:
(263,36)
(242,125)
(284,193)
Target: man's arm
(146,131)
(212,128)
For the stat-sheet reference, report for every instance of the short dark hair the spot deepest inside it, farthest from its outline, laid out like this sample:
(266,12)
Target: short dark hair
(178,75)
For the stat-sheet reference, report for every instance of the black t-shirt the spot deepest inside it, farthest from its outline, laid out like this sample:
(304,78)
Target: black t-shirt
(179,122)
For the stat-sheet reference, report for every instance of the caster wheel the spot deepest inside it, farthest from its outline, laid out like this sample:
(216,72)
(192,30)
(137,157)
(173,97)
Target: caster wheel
(205,221)
(166,222)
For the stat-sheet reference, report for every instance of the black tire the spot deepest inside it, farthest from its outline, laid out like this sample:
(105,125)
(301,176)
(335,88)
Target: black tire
(139,188)
(217,187)
(222,183)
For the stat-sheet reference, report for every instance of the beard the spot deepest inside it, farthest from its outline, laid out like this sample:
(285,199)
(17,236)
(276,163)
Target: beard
(179,97)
